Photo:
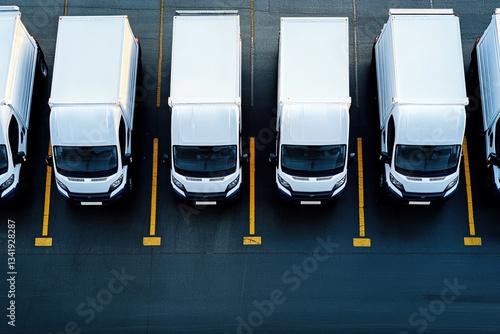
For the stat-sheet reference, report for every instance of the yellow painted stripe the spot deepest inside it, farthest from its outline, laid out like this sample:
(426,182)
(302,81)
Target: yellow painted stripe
(472,241)
(361,241)
(160,56)
(46,206)
(154,186)
(361,193)
(65,12)
(252,185)
(44,241)
(151,241)
(252,20)
(252,241)
(472,228)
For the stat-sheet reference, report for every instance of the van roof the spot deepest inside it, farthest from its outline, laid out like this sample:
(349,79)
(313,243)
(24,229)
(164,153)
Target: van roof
(428,58)
(206,59)
(89,48)
(314,59)
(9,21)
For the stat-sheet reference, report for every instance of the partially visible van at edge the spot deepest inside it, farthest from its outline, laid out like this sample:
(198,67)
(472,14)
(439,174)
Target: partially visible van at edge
(485,67)
(20,60)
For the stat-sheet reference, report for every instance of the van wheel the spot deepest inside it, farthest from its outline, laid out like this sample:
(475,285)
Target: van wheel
(42,68)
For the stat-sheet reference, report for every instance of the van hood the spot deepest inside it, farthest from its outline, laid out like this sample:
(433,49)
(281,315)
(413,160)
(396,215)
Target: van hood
(84,125)
(314,124)
(205,124)
(429,124)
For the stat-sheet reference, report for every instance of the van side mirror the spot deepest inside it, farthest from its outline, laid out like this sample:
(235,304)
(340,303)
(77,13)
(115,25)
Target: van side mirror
(48,160)
(384,158)
(245,157)
(19,158)
(127,159)
(166,159)
(493,160)
(272,159)
(351,158)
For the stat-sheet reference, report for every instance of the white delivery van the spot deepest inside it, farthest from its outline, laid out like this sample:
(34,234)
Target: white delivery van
(92,108)
(421,100)
(486,56)
(20,59)
(313,109)
(205,101)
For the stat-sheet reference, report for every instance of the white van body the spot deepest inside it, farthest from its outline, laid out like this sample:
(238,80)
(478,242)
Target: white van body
(18,63)
(421,99)
(92,107)
(488,62)
(205,100)
(313,109)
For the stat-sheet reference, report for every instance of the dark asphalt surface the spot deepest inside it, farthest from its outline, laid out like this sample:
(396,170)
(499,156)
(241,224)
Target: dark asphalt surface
(306,277)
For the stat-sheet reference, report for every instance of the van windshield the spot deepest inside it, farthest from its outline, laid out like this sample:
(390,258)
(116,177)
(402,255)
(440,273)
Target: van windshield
(86,161)
(4,162)
(205,161)
(427,161)
(313,160)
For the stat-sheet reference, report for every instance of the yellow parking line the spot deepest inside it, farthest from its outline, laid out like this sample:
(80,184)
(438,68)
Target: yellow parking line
(152,240)
(65,12)
(160,56)
(45,241)
(362,241)
(252,239)
(472,240)
(252,186)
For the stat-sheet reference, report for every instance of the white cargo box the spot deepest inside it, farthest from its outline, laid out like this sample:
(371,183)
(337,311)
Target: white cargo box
(206,61)
(421,54)
(95,58)
(314,60)
(488,61)
(17,63)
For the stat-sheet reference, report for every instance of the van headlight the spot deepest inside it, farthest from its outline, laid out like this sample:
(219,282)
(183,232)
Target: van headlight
(284,183)
(396,183)
(451,184)
(7,183)
(233,183)
(62,185)
(116,184)
(340,183)
(178,183)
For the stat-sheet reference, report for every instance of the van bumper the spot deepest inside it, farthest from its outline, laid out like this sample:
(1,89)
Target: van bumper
(208,198)
(305,198)
(95,198)
(418,198)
